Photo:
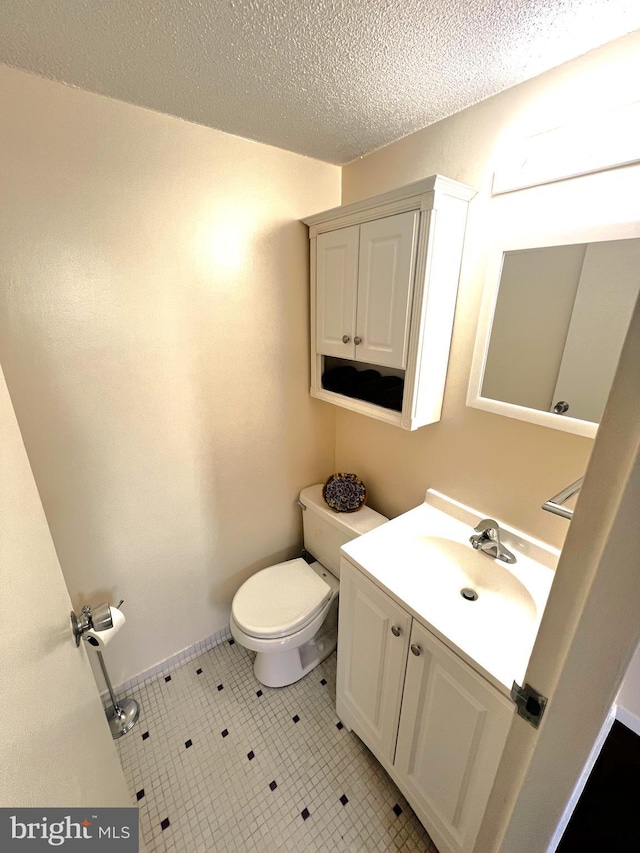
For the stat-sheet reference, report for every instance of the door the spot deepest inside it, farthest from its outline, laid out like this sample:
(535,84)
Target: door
(372,650)
(56,749)
(453,728)
(336,284)
(587,636)
(385,281)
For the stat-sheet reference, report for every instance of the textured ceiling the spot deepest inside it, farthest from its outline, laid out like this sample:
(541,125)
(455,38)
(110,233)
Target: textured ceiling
(333,79)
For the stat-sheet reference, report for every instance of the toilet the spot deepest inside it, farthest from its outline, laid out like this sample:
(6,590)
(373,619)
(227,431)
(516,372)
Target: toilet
(288,612)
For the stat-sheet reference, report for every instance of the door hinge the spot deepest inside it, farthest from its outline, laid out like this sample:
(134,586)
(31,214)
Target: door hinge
(529,702)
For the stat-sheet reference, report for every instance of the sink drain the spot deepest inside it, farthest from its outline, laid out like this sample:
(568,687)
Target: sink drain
(469,594)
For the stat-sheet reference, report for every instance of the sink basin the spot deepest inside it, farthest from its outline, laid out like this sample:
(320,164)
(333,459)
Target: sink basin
(424,559)
(451,566)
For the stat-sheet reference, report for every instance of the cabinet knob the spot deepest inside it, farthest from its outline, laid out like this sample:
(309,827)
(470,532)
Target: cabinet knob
(357,340)
(416,650)
(395,631)
(345,339)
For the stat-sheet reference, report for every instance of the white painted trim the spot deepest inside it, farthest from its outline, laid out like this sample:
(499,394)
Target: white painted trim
(370,214)
(370,208)
(627,718)
(566,152)
(582,781)
(389,416)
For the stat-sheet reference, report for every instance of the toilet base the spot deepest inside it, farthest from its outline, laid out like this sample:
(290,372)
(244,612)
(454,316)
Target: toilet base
(285,660)
(279,669)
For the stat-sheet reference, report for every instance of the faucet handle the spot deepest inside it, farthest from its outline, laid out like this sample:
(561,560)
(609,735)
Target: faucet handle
(487,524)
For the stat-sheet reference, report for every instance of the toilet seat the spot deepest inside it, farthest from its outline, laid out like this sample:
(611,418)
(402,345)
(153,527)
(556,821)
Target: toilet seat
(280,600)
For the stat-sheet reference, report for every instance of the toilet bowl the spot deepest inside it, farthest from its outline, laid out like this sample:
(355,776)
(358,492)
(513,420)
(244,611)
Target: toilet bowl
(287,635)
(288,612)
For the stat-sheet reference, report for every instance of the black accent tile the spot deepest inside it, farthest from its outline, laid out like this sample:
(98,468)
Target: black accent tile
(145,735)
(231,641)
(225,732)
(165,823)
(273,785)
(397,810)
(198,672)
(188,743)
(251,755)
(339,725)
(323,681)
(259,693)
(344,800)
(167,678)
(220,686)
(139,794)
(304,814)
(296,719)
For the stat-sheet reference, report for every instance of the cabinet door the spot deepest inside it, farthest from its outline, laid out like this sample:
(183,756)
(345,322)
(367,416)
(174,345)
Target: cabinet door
(371,661)
(385,281)
(453,728)
(336,282)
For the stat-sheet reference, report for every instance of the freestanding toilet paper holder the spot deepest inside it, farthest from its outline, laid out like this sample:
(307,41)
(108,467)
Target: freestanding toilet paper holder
(123,714)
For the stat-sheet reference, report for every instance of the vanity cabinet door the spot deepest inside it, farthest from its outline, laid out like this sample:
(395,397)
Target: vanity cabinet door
(372,654)
(385,281)
(452,732)
(337,278)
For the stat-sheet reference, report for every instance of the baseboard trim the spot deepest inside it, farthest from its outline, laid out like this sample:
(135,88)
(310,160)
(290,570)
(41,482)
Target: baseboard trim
(169,664)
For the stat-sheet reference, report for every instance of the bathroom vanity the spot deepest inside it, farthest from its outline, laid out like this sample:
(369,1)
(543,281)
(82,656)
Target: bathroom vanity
(424,673)
(384,279)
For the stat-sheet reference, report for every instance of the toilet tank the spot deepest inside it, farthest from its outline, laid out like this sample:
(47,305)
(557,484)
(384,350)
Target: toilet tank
(326,531)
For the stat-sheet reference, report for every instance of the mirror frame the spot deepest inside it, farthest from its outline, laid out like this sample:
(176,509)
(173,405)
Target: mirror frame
(597,234)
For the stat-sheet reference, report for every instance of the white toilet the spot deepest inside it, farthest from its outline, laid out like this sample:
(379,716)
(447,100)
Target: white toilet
(288,613)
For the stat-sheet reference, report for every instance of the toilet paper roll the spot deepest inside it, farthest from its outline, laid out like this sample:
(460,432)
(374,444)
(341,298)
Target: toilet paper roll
(99,639)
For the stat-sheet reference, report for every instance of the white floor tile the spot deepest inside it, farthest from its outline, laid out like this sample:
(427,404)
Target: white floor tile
(226,765)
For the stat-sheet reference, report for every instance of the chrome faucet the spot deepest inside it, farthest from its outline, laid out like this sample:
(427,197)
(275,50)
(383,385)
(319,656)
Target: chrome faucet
(488,541)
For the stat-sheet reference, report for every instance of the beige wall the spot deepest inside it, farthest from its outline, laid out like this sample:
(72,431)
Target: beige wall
(154,336)
(52,728)
(499,465)
(154,326)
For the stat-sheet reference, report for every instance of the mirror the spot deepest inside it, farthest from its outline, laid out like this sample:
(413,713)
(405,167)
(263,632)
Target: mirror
(554,321)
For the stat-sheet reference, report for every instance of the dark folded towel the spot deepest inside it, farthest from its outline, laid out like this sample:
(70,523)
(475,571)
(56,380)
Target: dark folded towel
(352,387)
(367,385)
(372,390)
(332,379)
(391,398)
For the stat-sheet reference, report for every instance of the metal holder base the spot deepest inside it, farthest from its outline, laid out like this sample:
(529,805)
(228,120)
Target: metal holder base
(123,717)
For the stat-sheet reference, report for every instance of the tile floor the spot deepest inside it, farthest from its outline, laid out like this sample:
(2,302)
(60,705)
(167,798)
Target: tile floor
(219,763)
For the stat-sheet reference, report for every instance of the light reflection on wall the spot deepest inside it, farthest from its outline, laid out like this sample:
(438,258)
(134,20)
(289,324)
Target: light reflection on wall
(222,249)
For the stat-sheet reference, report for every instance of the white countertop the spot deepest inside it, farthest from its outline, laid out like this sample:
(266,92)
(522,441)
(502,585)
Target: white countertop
(423,558)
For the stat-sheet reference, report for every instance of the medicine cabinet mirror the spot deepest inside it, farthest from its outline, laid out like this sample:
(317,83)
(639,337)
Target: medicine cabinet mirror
(551,330)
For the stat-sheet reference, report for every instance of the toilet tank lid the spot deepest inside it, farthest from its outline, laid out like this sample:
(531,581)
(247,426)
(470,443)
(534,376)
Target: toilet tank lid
(353,523)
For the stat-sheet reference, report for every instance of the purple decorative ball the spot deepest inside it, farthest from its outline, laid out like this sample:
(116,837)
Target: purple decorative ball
(344,492)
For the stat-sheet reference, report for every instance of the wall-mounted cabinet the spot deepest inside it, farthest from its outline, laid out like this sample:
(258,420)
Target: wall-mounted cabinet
(437,726)
(384,279)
